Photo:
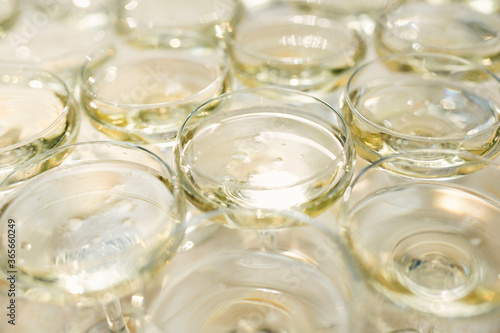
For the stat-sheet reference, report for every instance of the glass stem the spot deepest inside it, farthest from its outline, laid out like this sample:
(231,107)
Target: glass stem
(425,327)
(114,315)
(267,240)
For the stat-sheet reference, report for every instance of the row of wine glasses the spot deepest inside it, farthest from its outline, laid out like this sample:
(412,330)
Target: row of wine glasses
(392,104)
(422,232)
(97,221)
(140,87)
(306,44)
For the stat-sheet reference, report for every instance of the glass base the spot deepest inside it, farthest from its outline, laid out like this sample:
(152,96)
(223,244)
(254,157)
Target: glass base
(134,324)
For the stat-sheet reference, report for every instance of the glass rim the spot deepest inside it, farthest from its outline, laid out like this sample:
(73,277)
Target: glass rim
(346,149)
(347,206)
(22,70)
(416,55)
(46,155)
(237,43)
(407,154)
(381,21)
(86,71)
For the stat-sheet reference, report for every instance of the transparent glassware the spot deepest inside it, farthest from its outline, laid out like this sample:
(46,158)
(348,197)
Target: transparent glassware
(294,45)
(209,17)
(142,90)
(91,230)
(428,244)
(467,29)
(58,36)
(244,276)
(266,148)
(417,101)
(37,113)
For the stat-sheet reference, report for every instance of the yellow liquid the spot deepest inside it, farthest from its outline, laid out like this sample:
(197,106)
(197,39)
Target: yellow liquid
(422,115)
(260,160)
(91,229)
(31,124)
(312,55)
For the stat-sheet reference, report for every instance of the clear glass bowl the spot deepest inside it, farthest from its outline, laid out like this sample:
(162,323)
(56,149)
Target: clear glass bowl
(37,113)
(142,91)
(423,101)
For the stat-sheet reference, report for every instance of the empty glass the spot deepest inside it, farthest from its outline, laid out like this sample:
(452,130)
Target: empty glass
(417,101)
(430,244)
(235,278)
(265,148)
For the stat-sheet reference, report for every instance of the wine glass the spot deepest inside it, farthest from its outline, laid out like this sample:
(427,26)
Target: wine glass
(58,36)
(464,28)
(428,242)
(259,277)
(37,113)
(268,148)
(417,101)
(93,229)
(142,90)
(294,45)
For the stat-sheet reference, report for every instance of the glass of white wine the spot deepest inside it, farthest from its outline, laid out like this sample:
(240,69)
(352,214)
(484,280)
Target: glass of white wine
(464,28)
(37,113)
(430,245)
(91,230)
(259,277)
(139,18)
(418,101)
(58,36)
(293,44)
(355,7)
(142,90)
(268,148)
